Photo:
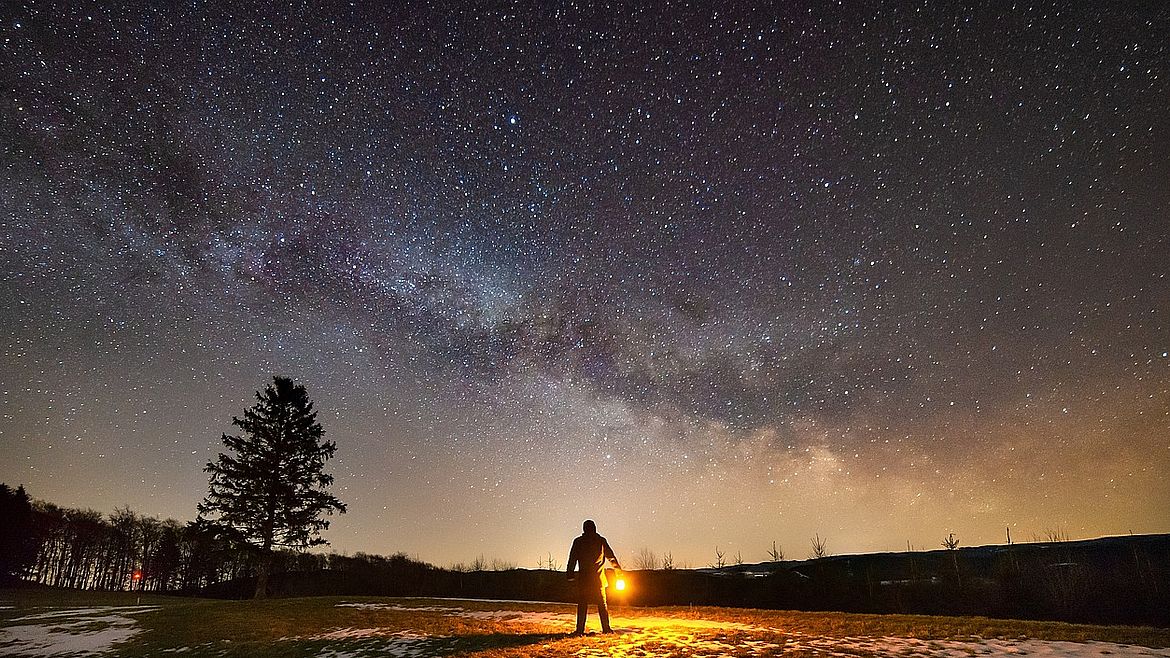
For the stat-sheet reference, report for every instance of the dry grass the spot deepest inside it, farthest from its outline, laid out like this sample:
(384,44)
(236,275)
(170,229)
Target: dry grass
(364,626)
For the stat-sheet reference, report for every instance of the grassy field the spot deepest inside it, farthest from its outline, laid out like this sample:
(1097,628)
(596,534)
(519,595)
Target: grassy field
(48,622)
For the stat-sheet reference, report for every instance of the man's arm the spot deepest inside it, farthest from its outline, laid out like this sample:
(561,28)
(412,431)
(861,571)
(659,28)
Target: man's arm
(572,561)
(609,554)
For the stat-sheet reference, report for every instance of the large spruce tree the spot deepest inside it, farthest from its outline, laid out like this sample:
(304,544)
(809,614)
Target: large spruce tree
(271,493)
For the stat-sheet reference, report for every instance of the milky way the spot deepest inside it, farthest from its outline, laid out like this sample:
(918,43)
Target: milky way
(877,272)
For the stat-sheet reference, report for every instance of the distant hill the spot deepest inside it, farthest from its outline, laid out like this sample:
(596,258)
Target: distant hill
(1109,580)
(1124,579)
(1080,547)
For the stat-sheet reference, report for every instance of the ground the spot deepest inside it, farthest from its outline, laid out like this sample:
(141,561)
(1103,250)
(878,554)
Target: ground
(54,623)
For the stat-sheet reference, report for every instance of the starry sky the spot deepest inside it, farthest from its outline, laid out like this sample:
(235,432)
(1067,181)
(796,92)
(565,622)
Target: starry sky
(877,271)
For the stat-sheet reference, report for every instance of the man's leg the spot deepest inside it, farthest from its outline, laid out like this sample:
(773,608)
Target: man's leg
(603,612)
(582,610)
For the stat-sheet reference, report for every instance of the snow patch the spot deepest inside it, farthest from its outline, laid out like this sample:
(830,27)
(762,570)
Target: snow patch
(362,634)
(74,612)
(404,644)
(865,646)
(449,598)
(371,642)
(519,616)
(75,631)
(392,606)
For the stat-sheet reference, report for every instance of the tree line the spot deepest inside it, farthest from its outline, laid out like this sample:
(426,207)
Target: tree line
(85,549)
(1110,580)
(125,551)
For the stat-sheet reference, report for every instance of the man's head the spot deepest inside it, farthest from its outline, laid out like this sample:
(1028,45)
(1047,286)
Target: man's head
(589,527)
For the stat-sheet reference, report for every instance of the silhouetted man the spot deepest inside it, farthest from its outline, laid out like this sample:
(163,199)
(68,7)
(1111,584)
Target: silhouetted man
(591,551)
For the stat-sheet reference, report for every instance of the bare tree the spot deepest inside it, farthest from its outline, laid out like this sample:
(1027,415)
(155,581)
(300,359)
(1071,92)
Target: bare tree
(819,547)
(776,553)
(738,558)
(720,562)
(499,564)
(1056,535)
(646,560)
(951,543)
(667,562)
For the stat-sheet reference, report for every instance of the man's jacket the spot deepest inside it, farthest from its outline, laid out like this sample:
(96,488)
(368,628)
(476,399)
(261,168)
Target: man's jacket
(591,551)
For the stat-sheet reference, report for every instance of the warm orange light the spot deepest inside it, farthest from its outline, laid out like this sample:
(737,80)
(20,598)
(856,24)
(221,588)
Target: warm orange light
(137,575)
(620,584)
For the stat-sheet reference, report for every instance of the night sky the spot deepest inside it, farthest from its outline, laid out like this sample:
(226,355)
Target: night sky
(877,271)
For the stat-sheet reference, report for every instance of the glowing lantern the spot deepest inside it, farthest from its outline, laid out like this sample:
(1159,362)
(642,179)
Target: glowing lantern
(136,576)
(615,580)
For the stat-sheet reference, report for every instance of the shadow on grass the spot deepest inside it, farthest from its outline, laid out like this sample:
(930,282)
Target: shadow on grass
(504,640)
